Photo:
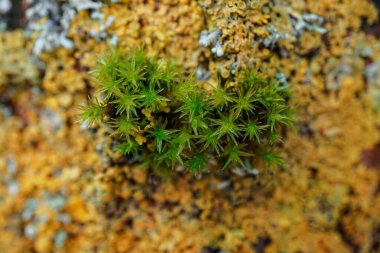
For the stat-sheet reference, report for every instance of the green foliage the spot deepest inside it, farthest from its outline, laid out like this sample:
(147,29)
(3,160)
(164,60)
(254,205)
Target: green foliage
(226,126)
(125,103)
(220,98)
(129,148)
(197,162)
(244,103)
(164,119)
(124,126)
(160,135)
(93,112)
(234,154)
(150,98)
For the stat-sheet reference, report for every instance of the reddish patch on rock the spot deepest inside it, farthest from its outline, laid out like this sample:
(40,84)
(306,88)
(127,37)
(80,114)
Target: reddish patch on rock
(371,158)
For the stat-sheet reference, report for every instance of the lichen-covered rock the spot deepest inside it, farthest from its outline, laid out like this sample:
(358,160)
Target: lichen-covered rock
(16,63)
(61,192)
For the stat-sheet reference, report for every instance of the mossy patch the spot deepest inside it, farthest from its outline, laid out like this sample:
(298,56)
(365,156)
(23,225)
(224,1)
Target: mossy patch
(161,116)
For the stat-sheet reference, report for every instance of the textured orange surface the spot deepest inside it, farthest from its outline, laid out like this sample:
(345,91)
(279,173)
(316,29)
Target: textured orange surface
(61,192)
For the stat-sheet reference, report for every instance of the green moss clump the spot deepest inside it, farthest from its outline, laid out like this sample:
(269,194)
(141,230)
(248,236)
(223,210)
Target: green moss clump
(163,118)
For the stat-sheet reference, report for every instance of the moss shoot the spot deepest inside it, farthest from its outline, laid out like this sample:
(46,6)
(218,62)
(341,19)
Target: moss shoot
(163,118)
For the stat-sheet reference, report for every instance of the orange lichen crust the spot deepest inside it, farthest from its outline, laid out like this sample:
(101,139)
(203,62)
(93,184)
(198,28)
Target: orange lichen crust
(16,66)
(61,192)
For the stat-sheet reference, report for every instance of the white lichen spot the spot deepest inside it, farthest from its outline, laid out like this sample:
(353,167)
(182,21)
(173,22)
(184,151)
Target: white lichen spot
(29,209)
(5,6)
(275,37)
(209,37)
(51,20)
(307,22)
(81,5)
(13,187)
(282,79)
(114,40)
(212,38)
(224,184)
(60,238)
(235,67)
(11,166)
(30,231)
(202,74)
(372,73)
